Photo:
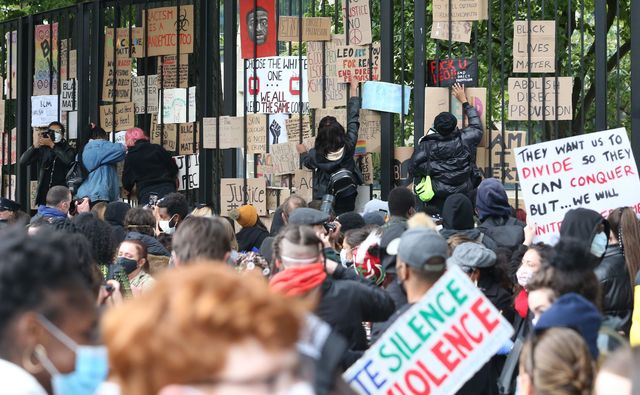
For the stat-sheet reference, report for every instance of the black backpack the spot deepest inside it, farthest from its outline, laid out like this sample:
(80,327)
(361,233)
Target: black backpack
(342,183)
(76,175)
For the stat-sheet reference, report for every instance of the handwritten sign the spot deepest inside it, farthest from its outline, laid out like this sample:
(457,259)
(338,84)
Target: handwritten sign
(129,43)
(386,97)
(124,117)
(144,100)
(168,74)
(360,63)
(313,28)
(460,31)
(188,138)
(163,25)
(117,80)
(234,193)
(45,78)
(293,128)
(69,96)
(286,159)
(303,184)
(595,170)
(447,72)
(359,21)
(366,168)
(188,171)
(498,147)
(541,105)
(165,135)
(258,32)
(401,162)
(538,55)
(370,130)
(230,134)
(44,110)
(174,105)
(256,133)
(461,10)
(275,197)
(11,65)
(437,345)
(275,85)
(330,89)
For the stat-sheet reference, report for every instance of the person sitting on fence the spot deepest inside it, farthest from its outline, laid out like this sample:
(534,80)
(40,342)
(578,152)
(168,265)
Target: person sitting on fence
(54,156)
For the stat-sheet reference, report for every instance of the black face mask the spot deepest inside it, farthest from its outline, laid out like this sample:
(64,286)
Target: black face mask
(129,265)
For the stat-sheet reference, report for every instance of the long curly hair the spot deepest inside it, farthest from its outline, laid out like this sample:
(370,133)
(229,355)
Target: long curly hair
(331,136)
(99,235)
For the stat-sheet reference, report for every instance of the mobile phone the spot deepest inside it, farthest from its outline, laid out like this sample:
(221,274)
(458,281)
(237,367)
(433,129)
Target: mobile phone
(153,199)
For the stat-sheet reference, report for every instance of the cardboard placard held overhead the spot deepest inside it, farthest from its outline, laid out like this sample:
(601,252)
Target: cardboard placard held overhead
(539,55)
(360,63)
(461,10)
(460,31)
(230,134)
(124,117)
(168,71)
(69,95)
(328,92)
(234,193)
(446,72)
(277,85)
(45,77)
(44,110)
(359,21)
(293,128)
(386,97)
(256,133)
(541,105)
(163,25)
(286,159)
(313,28)
(258,31)
(120,70)
(142,95)
(128,42)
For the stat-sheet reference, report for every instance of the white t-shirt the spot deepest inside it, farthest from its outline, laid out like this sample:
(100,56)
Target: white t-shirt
(16,381)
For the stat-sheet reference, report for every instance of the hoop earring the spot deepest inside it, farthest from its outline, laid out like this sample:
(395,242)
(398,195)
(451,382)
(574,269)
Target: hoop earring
(27,360)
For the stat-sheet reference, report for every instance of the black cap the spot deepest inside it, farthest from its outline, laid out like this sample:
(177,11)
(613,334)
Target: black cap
(8,205)
(307,216)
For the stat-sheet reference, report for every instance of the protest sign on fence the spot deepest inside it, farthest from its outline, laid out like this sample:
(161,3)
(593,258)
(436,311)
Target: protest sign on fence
(437,345)
(366,168)
(334,91)
(359,21)
(162,26)
(148,96)
(275,197)
(460,31)
(120,70)
(594,170)
(313,28)
(541,105)
(45,76)
(123,44)
(385,96)
(401,162)
(461,10)
(498,146)
(188,171)
(277,128)
(293,128)
(168,70)
(230,134)
(303,183)
(256,133)
(6,158)
(258,32)
(369,130)
(286,159)
(234,193)
(11,64)
(69,96)
(3,113)
(124,117)
(359,63)
(174,105)
(275,85)
(187,133)
(537,55)
(44,110)
(447,72)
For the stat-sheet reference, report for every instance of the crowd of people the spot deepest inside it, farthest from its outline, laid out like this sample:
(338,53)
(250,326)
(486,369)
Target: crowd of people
(98,297)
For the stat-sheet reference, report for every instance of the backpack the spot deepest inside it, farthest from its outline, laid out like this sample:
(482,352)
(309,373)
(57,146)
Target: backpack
(509,235)
(76,175)
(342,183)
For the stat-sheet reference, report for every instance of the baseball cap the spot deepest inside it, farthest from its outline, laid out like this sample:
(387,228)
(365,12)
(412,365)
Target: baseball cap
(416,246)
(8,205)
(307,216)
(472,255)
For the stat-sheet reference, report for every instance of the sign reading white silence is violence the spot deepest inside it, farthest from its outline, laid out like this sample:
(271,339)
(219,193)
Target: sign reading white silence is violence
(436,346)
(595,170)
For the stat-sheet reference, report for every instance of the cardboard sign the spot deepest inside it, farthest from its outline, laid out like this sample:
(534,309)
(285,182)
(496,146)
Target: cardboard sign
(366,168)
(163,25)
(447,72)
(330,90)
(45,77)
(6,158)
(277,128)
(401,161)
(188,171)
(541,105)
(359,21)
(9,190)
(174,105)
(234,193)
(594,170)
(293,128)
(120,70)
(33,193)
(129,43)
(275,85)
(165,135)
(258,32)
(186,134)
(303,184)
(69,96)
(537,56)
(498,147)
(460,31)
(438,100)
(168,72)
(437,345)
(142,96)
(461,10)
(275,197)
(124,117)
(256,133)
(386,97)
(360,63)
(340,114)
(2,114)
(44,110)
(11,65)
(369,132)
(286,159)
(231,132)
(313,28)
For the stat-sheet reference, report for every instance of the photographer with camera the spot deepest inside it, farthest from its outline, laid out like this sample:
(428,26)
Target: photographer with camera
(54,156)
(60,206)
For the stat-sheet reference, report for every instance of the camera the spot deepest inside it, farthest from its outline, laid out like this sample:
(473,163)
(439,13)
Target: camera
(329,227)
(73,206)
(48,134)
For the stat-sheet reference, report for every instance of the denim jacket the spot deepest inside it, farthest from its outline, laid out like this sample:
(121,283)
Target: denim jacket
(100,158)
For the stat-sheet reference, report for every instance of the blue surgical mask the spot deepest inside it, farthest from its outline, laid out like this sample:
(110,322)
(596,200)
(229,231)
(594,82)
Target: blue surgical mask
(599,244)
(91,365)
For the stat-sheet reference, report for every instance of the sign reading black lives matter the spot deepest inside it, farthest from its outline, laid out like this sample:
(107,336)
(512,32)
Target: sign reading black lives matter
(276,85)
(446,72)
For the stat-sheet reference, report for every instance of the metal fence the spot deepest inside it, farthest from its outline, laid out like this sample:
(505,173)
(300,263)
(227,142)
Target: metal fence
(594,42)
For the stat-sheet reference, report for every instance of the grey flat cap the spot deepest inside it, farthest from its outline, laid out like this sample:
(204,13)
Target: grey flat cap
(472,255)
(307,216)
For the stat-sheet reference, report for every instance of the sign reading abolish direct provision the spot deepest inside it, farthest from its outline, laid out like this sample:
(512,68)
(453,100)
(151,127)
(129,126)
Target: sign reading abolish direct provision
(436,346)
(275,85)
(595,170)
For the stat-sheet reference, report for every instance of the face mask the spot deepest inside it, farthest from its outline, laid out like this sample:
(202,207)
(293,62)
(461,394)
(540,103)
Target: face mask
(523,275)
(599,245)
(343,258)
(166,228)
(91,365)
(57,138)
(534,321)
(129,265)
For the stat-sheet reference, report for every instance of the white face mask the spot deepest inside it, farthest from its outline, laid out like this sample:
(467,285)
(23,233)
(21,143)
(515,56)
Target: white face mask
(343,257)
(58,137)
(524,275)
(599,244)
(165,227)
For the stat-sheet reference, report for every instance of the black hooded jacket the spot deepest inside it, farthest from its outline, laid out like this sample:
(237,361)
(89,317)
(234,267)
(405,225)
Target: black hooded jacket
(457,218)
(53,166)
(148,165)
(450,160)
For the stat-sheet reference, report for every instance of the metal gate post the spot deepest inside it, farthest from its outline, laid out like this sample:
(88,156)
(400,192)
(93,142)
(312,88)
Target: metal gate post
(635,80)
(208,83)
(387,140)
(601,64)
(419,75)
(24,60)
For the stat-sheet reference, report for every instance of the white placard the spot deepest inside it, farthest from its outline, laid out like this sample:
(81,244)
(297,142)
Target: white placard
(275,85)
(44,110)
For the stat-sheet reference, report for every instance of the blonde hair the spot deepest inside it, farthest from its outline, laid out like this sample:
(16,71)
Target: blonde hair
(179,332)
(99,210)
(204,211)
(421,220)
(558,362)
